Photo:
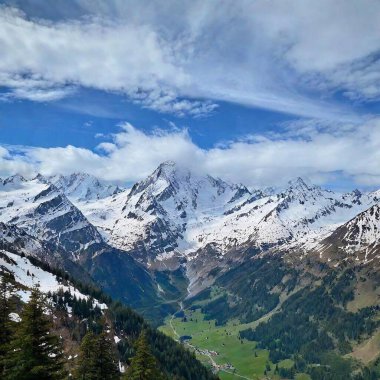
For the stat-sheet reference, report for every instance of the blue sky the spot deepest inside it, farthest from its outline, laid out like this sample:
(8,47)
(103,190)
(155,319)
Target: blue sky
(79,118)
(254,92)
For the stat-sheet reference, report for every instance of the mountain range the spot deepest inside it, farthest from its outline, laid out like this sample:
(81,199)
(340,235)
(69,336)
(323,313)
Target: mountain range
(177,219)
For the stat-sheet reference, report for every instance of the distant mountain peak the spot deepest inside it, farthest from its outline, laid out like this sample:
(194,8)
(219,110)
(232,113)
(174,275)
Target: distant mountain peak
(167,164)
(360,237)
(13,182)
(16,178)
(41,178)
(79,186)
(170,174)
(300,183)
(303,188)
(170,169)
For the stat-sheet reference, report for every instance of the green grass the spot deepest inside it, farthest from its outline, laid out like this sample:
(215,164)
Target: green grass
(243,355)
(302,376)
(287,363)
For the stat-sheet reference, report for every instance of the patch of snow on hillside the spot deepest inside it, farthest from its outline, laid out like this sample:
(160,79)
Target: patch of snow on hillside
(30,275)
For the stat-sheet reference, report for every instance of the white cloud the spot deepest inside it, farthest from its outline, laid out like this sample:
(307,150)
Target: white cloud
(111,56)
(310,149)
(33,87)
(168,102)
(283,55)
(12,162)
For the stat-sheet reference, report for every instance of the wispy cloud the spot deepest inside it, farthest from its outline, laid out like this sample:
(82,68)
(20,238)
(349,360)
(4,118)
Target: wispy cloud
(286,56)
(32,87)
(168,101)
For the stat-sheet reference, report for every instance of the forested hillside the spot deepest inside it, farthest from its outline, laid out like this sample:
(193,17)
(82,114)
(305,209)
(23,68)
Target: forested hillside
(319,320)
(75,330)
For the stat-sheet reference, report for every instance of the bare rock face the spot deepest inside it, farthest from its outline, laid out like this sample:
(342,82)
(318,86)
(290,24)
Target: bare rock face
(44,212)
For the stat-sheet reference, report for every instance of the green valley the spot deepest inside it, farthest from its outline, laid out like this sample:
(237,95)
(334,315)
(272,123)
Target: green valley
(221,347)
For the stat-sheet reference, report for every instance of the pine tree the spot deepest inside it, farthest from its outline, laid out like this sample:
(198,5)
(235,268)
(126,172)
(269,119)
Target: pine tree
(143,364)
(35,353)
(6,325)
(106,361)
(86,360)
(97,359)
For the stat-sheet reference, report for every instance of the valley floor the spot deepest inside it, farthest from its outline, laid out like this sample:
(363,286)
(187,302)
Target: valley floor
(221,348)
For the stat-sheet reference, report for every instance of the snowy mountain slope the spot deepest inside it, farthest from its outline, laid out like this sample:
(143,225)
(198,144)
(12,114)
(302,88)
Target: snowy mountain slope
(81,187)
(154,217)
(175,216)
(44,212)
(300,215)
(304,213)
(116,271)
(13,238)
(29,275)
(359,238)
(290,224)
(174,213)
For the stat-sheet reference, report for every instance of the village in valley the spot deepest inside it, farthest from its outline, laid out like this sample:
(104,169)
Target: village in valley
(220,347)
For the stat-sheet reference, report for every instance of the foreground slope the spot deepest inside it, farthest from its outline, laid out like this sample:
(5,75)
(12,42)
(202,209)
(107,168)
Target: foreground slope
(76,308)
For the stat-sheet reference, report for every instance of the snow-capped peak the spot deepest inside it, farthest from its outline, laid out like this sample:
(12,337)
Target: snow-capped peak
(41,178)
(300,182)
(13,182)
(364,229)
(168,169)
(302,186)
(160,209)
(45,213)
(176,211)
(83,187)
(171,179)
(160,179)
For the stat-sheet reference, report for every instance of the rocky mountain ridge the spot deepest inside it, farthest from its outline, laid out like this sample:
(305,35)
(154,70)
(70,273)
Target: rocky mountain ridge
(176,218)
(174,214)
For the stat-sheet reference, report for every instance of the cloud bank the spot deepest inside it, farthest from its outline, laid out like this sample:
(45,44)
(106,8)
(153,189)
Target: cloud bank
(182,57)
(320,152)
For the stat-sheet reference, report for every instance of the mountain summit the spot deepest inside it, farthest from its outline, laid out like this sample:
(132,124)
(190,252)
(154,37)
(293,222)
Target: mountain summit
(83,187)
